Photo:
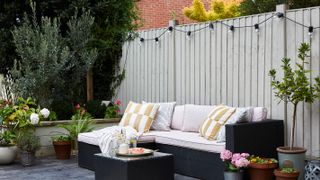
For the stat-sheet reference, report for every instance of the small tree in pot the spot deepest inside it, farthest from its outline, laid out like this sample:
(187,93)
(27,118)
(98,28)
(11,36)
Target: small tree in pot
(294,88)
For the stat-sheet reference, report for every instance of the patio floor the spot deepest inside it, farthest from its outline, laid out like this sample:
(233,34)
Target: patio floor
(49,168)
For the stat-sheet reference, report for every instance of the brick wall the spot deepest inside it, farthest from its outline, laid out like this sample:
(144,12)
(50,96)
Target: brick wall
(157,13)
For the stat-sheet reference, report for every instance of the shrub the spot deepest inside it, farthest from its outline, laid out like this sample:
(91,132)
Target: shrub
(96,109)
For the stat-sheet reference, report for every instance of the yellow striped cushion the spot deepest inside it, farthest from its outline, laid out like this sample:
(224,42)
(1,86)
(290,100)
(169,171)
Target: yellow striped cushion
(139,116)
(217,118)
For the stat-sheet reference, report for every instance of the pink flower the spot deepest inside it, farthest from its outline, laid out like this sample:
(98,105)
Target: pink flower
(242,162)
(118,102)
(78,106)
(117,110)
(235,157)
(226,155)
(245,155)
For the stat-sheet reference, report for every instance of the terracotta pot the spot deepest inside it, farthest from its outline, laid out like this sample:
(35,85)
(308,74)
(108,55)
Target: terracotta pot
(262,171)
(294,158)
(62,149)
(286,176)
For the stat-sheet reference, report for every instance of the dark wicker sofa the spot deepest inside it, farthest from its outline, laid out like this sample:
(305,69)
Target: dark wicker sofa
(259,138)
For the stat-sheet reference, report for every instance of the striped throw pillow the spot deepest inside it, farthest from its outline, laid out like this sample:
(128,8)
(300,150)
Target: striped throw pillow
(139,116)
(216,119)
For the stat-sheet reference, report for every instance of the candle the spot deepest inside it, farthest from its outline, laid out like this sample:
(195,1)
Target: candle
(123,148)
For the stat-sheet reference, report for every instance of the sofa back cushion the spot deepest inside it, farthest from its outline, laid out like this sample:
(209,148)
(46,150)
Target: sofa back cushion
(177,118)
(194,116)
(162,121)
(259,114)
(139,116)
(216,119)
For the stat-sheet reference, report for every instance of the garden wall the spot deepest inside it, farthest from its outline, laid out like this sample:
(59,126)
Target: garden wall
(218,66)
(48,129)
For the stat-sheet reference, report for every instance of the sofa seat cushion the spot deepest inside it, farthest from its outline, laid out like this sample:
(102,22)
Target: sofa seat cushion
(93,137)
(188,140)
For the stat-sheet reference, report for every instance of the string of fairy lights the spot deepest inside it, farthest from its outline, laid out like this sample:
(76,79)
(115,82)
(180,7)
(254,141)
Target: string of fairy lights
(211,26)
(231,28)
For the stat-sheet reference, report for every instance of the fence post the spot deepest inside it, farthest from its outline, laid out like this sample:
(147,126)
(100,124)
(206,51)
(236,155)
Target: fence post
(282,9)
(172,70)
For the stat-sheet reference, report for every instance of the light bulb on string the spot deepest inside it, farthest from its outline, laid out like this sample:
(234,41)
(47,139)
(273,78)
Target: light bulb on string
(310,30)
(211,27)
(231,29)
(279,15)
(256,27)
(189,35)
(170,29)
(156,40)
(141,41)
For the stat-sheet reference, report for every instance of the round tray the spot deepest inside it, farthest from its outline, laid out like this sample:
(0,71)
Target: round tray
(147,152)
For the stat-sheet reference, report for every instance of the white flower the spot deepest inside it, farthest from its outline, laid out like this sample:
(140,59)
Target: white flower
(34,118)
(45,112)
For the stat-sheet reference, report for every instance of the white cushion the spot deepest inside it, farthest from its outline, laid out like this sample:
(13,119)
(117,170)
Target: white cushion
(259,114)
(194,116)
(162,121)
(177,118)
(93,137)
(188,140)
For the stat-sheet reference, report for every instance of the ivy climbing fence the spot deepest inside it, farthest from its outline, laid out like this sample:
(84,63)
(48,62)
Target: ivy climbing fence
(225,62)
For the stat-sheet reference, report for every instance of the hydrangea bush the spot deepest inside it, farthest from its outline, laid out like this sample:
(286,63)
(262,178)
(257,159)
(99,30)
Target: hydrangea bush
(234,162)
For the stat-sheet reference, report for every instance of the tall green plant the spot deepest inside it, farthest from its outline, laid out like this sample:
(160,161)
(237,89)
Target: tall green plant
(295,86)
(47,58)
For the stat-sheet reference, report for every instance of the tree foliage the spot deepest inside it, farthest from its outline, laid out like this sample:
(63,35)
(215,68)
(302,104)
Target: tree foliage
(295,86)
(248,7)
(218,10)
(113,19)
(46,58)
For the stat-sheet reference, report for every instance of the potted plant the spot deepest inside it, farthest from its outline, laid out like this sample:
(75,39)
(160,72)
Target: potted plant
(286,174)
(294,88)
(234,164)
(8,149)
(113,110)
(62,146)
(81,122)
(262,168)
(28,144)
(25,116)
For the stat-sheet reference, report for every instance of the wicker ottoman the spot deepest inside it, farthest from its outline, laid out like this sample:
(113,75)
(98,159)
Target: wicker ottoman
(158,166)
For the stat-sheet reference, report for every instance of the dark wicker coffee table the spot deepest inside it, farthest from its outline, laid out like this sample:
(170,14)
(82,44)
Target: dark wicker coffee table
(158,166)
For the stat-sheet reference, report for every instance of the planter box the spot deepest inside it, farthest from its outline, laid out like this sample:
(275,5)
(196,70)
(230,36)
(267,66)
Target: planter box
(48,129)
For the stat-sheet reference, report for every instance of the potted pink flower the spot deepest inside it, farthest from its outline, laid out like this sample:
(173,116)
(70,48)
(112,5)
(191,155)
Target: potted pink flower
(113,110)
(234,164)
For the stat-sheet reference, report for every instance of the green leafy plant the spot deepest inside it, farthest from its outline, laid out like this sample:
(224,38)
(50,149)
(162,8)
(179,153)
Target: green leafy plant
(81,122)
(59,138)
(46,57)
(288,170)
(7,138)
(95,108)
(113,110)
(257,159)
(27,141)
(295,86)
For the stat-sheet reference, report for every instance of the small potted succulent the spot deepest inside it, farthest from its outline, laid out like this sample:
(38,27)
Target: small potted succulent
(286,174)
(262,168)
(234,164)
(62,146)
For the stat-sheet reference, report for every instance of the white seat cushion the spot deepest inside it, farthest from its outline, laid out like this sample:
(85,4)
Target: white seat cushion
(93,137)
(188,140)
